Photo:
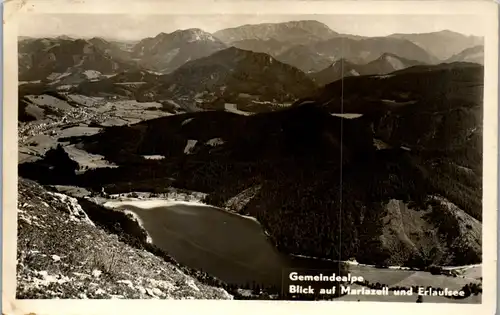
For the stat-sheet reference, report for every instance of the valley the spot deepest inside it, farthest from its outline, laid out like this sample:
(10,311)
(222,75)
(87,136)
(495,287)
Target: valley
(252,150)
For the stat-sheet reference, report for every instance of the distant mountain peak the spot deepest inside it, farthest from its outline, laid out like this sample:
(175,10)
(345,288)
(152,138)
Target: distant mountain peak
(446,31)
(189,35)
(450,33)
(387,55)
(166,52)
(391,58)
(297,31)
(291,23)
(304,23)
(194,30)
(98,40)
(441,32)
(161,34)
(64,37)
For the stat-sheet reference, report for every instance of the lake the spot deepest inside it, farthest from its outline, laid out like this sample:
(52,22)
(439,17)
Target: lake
(230,247)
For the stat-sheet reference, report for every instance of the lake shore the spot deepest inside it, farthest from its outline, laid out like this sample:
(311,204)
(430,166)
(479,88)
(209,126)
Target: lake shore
(147,203)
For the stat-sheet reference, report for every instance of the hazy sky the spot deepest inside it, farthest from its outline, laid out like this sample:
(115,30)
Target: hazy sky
(140,26)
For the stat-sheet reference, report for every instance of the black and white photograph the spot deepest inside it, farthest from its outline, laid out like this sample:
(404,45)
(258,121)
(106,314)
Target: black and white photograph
(244,156)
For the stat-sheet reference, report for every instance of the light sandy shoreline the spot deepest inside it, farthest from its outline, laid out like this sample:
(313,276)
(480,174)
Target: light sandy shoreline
(151,203)
(147,204)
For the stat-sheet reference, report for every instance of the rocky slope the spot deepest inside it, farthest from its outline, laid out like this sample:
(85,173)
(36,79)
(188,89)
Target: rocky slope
(430,234)
(442,44)
(63,254)
(167,52)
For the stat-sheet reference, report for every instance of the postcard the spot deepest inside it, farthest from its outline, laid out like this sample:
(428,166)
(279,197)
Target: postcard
(250,156)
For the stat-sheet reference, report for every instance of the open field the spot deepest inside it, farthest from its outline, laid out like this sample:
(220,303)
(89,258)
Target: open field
(126,105)
(86,100)
(39,136)
(233,108)
(78,131)
(85,159)
(72,191)
(49,101)
(36,147)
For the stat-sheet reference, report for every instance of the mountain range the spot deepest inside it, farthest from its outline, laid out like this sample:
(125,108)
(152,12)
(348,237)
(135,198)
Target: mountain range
(443,44)
(474,54)
(385,64)
(313,58)
(308,45)
(39,59)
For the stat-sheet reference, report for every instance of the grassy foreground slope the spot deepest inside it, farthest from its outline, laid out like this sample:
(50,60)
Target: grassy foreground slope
(63,254)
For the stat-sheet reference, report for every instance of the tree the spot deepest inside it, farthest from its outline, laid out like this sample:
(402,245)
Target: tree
(467,290)
(256,289)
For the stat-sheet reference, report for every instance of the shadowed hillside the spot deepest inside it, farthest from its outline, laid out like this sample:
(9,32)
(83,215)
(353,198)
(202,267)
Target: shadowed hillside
(230,73)
(304,199)
(434,111)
